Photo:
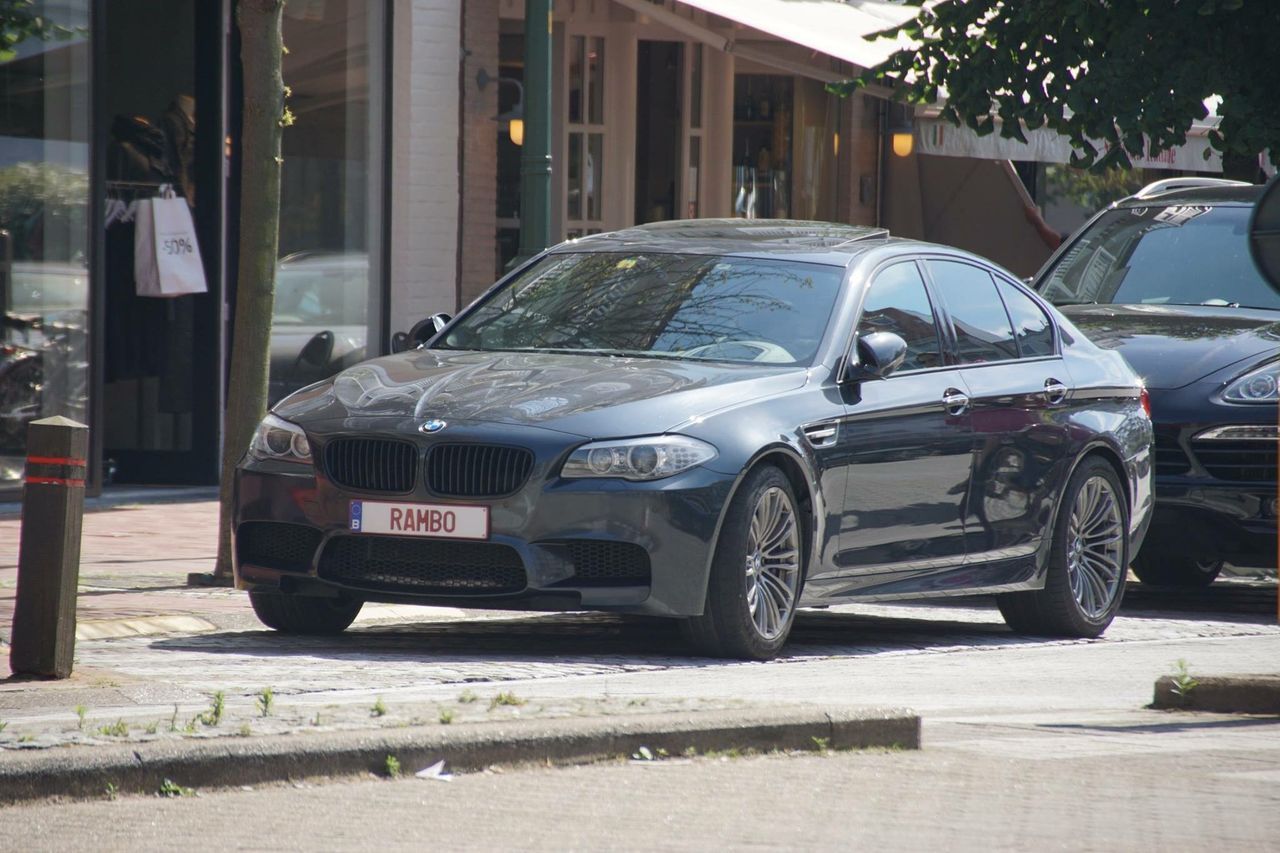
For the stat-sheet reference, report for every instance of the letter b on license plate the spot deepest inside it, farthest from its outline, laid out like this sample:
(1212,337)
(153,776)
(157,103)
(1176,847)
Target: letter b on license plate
(413,519)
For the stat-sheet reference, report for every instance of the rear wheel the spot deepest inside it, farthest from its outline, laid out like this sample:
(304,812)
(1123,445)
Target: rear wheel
(1165,567)
(304,614)
(1087,561)
(756,573)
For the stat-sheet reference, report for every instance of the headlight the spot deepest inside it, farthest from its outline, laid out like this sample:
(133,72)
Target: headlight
(1257,386)
(280,440)
(650,458)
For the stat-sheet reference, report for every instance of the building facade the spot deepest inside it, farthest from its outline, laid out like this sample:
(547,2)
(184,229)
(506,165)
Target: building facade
(400,187)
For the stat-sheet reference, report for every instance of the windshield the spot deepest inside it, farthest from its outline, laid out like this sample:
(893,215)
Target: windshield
(1184,255)
(660,306)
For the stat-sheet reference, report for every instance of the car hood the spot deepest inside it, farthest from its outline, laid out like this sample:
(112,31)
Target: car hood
(1171,346)
(585,395)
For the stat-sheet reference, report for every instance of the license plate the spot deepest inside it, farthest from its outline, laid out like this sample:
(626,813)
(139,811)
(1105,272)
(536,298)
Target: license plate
(414,519)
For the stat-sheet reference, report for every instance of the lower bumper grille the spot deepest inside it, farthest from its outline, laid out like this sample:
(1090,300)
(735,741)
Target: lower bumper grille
(423,566)
(597,563)
(1238,461)
(1171,459)
(275,545)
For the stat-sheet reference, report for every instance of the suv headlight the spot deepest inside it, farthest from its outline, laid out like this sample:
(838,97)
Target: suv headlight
(1257,386)
(648,458)
(277,439)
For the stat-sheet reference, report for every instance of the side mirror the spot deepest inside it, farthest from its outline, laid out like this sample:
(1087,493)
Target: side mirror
(422,331)
(879,355)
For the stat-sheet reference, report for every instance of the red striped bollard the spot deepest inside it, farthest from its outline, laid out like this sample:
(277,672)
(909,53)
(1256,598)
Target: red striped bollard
(44,615)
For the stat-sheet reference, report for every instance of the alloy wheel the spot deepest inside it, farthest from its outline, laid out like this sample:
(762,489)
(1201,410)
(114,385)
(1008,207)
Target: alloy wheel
(772,563)
(1095,547)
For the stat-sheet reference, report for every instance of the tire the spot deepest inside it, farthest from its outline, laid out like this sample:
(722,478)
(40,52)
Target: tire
(1087,561)
(756,574)
(304,614)
(1163,567)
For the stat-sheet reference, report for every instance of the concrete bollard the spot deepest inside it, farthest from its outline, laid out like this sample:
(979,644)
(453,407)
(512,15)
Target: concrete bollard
(44,615)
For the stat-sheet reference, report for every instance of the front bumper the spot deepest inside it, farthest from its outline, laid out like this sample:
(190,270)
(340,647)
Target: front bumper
(554,545)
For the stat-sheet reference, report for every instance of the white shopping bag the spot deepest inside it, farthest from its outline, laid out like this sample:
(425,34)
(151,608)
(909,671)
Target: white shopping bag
(166,256)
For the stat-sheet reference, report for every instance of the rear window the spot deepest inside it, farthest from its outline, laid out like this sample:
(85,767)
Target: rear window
(1162,255)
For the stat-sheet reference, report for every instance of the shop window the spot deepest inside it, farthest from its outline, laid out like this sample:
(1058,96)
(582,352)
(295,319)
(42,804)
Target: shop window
(44,231)
(328,279)
(587,142)
(784,132)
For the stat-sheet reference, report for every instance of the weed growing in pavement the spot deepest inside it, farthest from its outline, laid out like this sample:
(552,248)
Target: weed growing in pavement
(170,788)
(173,721)
(217,708)
(446,716)
(81,714)
(117,729)
(111,791)
(1183,682)
(379,708)
(315,721)
(26,739)
(190,728)
(245,730)
(466,697)
(822,744)
(393,767)
(153,727)
(505,698)
(3,725)
(266,701)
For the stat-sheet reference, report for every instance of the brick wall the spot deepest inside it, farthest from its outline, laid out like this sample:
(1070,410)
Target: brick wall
(424,186)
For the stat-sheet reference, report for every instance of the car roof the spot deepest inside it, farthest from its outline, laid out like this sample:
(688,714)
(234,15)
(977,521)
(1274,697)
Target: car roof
(1225,194)
(814,242)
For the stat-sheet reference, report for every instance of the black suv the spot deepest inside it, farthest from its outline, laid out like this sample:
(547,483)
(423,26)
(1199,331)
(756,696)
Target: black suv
(1166,278)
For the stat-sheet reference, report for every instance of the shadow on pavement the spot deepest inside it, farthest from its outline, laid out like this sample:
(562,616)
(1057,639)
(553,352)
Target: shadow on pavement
(1188,724)
(596,638)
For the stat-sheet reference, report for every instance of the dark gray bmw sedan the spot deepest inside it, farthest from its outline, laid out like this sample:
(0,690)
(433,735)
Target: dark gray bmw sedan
(719,422)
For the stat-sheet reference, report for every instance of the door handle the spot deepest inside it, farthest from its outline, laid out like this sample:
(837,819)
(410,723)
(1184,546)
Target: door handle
(955,401)
(1054,391)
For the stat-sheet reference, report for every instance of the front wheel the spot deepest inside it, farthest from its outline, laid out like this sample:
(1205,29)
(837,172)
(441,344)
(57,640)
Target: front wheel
(1087,561)
(756,573)
(304,614)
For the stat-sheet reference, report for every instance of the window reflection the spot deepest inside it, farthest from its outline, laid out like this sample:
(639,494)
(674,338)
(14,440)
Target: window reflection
(44,193)
(329,191)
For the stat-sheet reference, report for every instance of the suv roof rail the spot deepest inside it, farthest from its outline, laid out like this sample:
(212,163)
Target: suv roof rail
(1189,183)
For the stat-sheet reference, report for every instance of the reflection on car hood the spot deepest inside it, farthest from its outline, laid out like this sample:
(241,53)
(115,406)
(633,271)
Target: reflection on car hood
(1174,345)
(587,395)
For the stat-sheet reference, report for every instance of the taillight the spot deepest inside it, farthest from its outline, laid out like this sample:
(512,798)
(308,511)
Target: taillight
(1145,397)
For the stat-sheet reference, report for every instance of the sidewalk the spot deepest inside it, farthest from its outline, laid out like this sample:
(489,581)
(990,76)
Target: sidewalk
(126,718)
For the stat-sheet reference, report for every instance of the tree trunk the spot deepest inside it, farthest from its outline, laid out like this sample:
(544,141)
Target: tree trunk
(261,52)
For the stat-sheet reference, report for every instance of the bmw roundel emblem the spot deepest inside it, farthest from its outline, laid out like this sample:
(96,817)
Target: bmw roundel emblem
(433,425)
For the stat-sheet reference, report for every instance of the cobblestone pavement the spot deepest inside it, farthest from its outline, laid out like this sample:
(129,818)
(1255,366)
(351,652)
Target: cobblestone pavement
(162,672)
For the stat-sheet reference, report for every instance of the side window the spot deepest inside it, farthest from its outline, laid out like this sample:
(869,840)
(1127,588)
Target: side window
(898,302)
(1030,323)
(983,331)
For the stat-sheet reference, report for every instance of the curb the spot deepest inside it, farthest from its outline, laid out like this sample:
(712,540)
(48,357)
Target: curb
(1232,694)
(141,768)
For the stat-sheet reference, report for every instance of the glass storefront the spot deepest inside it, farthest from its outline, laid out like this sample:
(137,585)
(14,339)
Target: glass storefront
(44,222)
(327,294)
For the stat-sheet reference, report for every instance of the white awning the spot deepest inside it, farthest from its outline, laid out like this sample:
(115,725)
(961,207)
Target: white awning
(834,27)
(940,137)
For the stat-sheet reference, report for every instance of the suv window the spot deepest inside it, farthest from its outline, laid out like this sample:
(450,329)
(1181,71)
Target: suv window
(1030,324)
(1162,255)
(898,302)
(983,330)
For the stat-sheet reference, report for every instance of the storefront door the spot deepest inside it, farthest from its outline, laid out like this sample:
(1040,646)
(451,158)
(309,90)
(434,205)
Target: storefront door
(160,131)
